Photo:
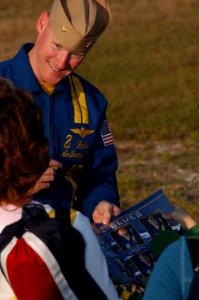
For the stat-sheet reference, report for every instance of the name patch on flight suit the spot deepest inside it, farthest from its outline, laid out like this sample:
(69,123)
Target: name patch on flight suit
(80,149)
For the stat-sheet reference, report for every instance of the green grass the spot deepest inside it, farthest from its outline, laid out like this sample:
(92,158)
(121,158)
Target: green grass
(144,167)
(147,64)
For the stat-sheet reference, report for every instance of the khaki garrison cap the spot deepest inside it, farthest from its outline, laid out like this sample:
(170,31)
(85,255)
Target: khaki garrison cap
(77,24)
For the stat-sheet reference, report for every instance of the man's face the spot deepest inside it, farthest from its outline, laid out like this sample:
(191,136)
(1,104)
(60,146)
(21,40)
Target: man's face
(49,60)
(154,222)
(123,232)
(145,259)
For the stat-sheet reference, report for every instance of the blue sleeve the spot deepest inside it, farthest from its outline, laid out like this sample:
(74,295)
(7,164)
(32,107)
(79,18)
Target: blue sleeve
(98,180)
(172,275)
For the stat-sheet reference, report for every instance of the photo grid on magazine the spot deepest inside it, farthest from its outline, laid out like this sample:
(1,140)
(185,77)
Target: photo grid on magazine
(126,240)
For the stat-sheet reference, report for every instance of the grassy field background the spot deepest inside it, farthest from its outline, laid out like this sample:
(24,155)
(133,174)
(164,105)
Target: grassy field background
(147,65)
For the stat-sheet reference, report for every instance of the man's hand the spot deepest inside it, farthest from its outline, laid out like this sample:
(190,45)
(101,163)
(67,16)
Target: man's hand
(181,216)
(47,177)
(104,211)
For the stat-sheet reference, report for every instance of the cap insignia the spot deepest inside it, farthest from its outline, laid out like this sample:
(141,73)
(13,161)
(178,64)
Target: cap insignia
(64,29)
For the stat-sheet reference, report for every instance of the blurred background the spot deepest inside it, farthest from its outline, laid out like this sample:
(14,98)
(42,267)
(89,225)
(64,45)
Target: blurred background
(147,66)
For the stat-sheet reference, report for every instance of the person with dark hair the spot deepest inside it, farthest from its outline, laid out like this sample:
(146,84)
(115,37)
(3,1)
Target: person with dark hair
(44,253)
(83,164)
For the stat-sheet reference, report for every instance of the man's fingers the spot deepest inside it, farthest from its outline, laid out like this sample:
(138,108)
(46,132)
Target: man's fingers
(47,177)
(55,164)
(110,210)
(104,211)
(49,173)
(116,210)
(39,186)
(107,213)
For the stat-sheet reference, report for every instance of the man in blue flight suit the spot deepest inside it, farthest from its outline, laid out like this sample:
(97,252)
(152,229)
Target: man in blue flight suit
(83,157)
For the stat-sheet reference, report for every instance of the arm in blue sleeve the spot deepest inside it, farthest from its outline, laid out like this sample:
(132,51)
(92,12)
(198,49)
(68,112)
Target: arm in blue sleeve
(172,275)
(98,179)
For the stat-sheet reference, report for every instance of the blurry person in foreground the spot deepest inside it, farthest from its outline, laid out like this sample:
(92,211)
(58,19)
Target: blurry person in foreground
(174,272)
(44,253)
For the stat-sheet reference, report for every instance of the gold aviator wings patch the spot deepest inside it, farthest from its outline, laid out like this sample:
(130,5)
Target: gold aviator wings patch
(83,132)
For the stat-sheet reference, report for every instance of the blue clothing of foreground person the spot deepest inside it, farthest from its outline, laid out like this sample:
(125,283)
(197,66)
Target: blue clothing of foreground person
(83,157)
(45,254)
(172,276)
(173,273)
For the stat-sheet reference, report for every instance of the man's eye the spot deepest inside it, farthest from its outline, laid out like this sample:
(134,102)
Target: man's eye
(56,45)
(77,55)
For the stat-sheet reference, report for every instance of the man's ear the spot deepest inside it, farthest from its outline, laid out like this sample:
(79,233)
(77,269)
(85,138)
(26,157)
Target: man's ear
(42,21)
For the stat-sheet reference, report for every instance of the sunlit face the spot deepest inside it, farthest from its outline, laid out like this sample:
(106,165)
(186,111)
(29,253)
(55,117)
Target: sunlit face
(50,61)
(145,259)
(154,222)
(122,231)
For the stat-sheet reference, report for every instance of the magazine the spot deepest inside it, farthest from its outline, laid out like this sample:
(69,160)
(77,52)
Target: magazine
(126,240)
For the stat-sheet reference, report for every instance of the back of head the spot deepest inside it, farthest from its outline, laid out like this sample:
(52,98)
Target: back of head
(77,24)
(23,146)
